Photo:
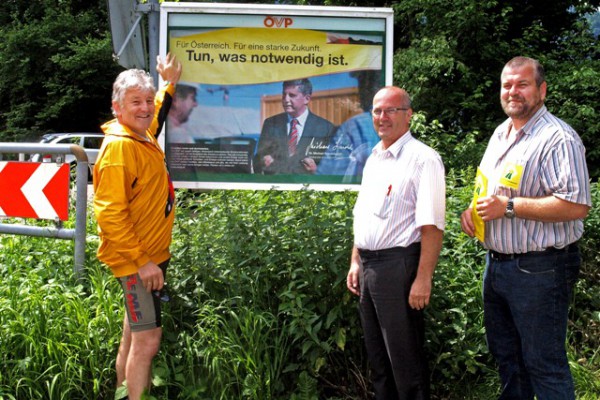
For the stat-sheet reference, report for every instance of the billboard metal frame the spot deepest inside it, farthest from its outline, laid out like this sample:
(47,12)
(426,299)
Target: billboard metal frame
(278,15)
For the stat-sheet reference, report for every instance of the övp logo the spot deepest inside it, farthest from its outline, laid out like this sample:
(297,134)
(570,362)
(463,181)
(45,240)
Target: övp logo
(277,22)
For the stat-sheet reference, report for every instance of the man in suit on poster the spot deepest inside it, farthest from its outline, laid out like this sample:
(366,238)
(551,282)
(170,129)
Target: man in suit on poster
(294,141)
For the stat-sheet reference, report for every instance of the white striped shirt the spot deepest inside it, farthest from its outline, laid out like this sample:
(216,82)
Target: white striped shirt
(553,160)
(403,188)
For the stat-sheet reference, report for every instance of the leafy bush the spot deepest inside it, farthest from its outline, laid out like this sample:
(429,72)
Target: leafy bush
(290,262)
(584,324)
(259,307)
(253,249)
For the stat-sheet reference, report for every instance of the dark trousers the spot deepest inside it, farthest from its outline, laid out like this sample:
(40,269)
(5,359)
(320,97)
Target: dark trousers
(393,332)
(526,301)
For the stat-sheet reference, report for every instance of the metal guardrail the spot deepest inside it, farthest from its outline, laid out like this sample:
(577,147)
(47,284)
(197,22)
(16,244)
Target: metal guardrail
(79,233)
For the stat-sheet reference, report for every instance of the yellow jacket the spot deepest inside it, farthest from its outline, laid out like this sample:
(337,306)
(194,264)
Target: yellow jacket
(133,195)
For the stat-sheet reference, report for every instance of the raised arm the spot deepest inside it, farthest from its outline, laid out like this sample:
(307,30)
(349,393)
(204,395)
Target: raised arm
(169,68)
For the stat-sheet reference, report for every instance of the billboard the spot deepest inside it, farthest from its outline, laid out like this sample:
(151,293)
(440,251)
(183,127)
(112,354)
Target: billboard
(273,96)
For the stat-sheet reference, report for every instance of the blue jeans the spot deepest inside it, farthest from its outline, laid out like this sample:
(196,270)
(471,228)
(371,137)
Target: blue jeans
(526,302)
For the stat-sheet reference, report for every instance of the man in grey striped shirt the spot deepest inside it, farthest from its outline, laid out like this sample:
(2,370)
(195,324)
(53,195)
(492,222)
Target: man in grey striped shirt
(537,195)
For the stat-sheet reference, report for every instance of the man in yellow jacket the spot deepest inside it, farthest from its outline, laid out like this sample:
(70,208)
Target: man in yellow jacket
(134,207)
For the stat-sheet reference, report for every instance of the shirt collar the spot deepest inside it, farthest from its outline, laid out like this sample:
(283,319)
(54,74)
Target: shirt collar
(528,127)
(114,127)
(396,147)
(301,118)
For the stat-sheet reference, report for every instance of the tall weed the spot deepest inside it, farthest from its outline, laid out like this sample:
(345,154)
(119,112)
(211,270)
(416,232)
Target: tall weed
(56,338)
(259,307)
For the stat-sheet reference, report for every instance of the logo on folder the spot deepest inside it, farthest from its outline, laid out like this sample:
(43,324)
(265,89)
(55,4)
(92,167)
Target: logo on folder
(511,176)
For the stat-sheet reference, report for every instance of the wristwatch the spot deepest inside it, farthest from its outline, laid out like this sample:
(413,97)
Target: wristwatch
(510,209)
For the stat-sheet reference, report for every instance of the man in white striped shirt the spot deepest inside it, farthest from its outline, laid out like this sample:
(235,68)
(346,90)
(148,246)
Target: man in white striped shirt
(537,197)
(398,229)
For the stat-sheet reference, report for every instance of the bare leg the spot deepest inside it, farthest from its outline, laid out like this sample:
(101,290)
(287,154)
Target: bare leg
(123,352)
(144,346)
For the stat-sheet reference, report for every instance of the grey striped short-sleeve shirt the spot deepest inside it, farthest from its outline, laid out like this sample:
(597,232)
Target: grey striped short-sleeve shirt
(552,158)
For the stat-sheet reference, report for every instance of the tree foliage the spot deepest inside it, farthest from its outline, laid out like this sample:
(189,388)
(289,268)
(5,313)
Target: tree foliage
(55,67)
(259,305)
(449,57)
(56,64)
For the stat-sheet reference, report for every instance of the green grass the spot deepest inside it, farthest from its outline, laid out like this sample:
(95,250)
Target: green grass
(259,308)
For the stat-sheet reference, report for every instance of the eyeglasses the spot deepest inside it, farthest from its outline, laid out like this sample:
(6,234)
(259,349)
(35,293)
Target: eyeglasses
(389,111)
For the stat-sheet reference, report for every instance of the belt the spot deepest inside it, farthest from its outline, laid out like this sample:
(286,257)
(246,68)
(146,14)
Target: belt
(570,248)
(411,249)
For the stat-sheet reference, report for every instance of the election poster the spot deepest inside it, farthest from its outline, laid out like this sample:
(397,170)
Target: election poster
(273,96)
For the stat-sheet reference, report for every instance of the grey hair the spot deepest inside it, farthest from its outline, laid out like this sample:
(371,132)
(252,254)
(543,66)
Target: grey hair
(131,79)
(517,62)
